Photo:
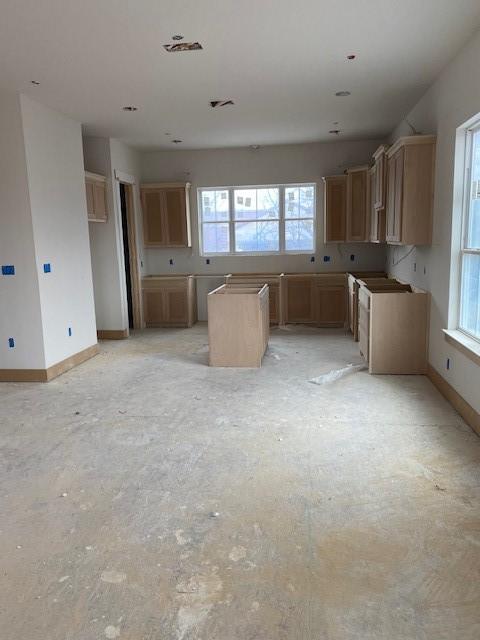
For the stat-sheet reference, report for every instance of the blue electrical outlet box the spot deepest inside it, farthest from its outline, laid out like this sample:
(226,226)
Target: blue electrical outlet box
(326,258)
(171,260)
(8,270)
(69,331)
(352,257)
(47,268)
(312,258)
(207,261)
(11,343)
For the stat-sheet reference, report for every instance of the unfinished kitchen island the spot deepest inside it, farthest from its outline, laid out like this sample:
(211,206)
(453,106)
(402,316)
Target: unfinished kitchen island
(238,325)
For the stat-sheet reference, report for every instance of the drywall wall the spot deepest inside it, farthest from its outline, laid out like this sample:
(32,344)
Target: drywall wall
(451,101)
(20,316)
(266,165)
(53,147)
(106,156)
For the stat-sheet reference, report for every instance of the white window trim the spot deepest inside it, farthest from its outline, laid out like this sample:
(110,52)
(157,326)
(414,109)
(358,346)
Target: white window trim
(467,185)
(231,221)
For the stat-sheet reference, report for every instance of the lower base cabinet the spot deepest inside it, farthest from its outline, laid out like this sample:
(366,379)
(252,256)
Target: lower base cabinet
(393,329)
(238,325)
(169,301)
(258,280)
(317,299)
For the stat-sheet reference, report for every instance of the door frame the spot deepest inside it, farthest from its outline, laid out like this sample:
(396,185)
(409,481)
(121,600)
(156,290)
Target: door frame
(129,183)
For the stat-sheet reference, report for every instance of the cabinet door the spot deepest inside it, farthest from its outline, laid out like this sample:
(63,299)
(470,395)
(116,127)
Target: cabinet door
(379,184)
(335,209)
(331,306)
(176,303)
(357,206)
(274,303)
(99,204)
(154,307)
(364,330)
(90,199)
(299,300)
(153,219)
(395,196)
(175,217)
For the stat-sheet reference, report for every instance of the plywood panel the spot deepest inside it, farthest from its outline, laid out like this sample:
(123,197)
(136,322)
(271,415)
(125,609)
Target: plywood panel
(299,305)
(153,219)
(331,306)
(357,190)
(335,209)
(175,216)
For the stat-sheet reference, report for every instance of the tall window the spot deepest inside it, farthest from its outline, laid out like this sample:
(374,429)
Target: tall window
(255,220)
(469,320)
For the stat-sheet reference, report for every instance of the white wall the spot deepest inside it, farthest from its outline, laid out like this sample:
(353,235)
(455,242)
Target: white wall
(53,145)
(246,166)
(20,316)
(452,100)
(267,165)
(106,156)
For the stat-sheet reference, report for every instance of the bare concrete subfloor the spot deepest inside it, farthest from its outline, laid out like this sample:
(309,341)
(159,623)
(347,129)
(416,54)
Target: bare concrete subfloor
(146,496)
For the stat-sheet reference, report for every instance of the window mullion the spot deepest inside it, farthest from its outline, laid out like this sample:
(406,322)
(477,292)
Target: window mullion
(231,224)
(281,223)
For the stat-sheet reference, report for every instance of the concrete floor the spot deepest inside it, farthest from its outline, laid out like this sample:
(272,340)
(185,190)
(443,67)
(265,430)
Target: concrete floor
(146,496)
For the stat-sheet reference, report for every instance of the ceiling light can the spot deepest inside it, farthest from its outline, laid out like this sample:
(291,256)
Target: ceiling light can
(341,94)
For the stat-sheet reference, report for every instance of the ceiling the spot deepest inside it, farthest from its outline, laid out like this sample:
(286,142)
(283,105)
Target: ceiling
(281,62)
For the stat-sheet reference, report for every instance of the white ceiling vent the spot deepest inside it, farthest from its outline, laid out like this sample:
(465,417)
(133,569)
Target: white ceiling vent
(221,103)
(182,46)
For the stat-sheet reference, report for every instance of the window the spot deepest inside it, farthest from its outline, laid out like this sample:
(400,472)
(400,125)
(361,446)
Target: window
(255,220)
(469,320)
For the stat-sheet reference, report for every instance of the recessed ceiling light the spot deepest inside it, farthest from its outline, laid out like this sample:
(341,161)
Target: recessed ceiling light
(352,56)
(177,37)
(335,131)
(255,147)
(177,141)
(343,93)
(130,108)
(182,46)
(34,82)
(168,134)
(335,123)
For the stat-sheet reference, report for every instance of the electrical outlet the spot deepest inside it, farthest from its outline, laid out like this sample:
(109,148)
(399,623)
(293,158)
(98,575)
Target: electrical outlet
(449,364)
(207,261)
(326,258)
(312,258)
(47,268)
(352,257)
(11,343)
(69,332)
(8,270)
(414,266)
(171,260)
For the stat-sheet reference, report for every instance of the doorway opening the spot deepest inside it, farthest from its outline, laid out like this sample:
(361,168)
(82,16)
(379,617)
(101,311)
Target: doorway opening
(130,256)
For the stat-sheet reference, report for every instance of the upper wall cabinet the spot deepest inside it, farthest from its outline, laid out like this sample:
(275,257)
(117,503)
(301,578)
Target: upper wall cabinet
(335,218)
(357,204)
(166,215)
(95,186)
(410,182)
(378,195)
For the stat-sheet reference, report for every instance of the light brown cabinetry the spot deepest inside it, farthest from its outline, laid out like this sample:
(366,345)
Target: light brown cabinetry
(95,188)
(258,280)
(393,328)
(238,325)
(319,299)
(410,182)
(357,204)
(377,196)
(335,209)
(169,301)
(166,215)
(299,299)
(353,286)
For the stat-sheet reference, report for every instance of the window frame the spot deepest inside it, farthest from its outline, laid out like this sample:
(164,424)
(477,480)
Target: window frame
(231,220)
(465,250)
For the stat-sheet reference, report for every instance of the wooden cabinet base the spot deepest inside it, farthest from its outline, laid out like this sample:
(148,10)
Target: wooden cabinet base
(238,326)
(169,301)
